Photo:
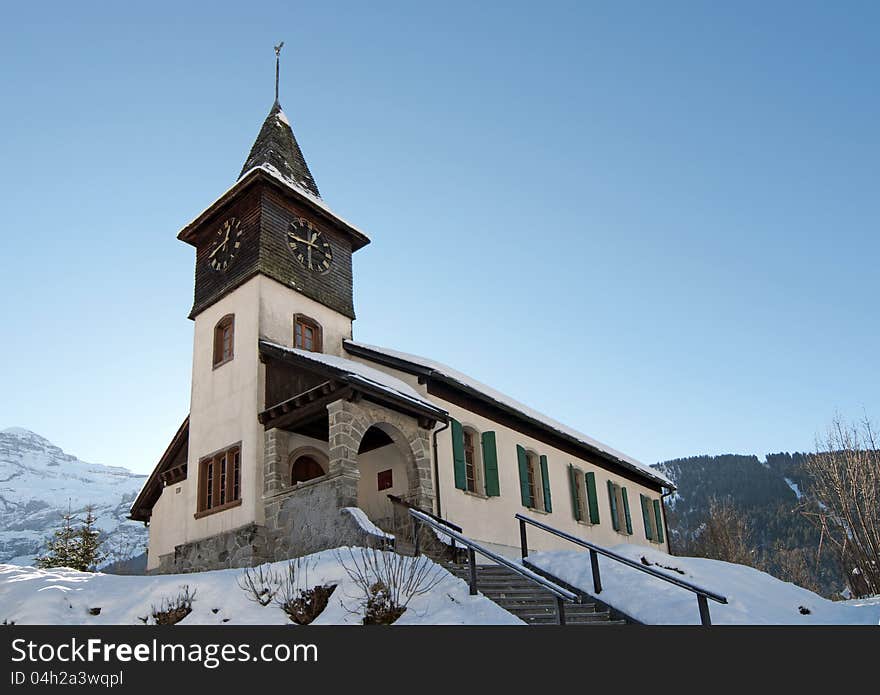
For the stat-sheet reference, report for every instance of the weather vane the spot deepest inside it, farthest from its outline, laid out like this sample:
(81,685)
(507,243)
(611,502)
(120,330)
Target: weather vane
(277,60)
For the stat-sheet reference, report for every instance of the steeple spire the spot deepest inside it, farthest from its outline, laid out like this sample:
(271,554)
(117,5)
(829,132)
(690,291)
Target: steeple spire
(277,61)
(276,147)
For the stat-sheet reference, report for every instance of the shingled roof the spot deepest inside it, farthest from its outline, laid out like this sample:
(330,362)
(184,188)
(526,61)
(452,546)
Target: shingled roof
(277,147)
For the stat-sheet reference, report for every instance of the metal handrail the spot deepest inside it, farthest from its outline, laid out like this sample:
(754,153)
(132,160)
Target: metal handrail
(561,593)
(409,505)
(701,592)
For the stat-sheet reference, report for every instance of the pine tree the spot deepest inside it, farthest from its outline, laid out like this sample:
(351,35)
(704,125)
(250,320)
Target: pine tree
(77,549)
(87,543)
(60,550)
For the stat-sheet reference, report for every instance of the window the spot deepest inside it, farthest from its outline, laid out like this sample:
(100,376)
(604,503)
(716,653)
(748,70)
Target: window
(534,480)
(530,476)
(652,514)
(620,516)
(475,460)
(224,338)
(305,468)
(219,481)
(471,467)
(307,334)
(578,498)
(384,480)
(583,495)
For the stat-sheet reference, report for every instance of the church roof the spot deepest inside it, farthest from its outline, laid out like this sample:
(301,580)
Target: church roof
(431,369)
(358,237)
(356,373)
(277,147)
(152,489)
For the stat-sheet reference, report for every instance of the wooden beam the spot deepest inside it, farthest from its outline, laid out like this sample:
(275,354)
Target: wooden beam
(306,413)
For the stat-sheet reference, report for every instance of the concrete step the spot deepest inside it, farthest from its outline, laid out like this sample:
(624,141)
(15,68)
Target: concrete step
(529,601)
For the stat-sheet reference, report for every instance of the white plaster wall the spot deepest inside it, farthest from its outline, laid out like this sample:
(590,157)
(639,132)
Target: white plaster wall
(223,409)
(225,403)
(374,502)
(167,519)
(491,519)
(279,303)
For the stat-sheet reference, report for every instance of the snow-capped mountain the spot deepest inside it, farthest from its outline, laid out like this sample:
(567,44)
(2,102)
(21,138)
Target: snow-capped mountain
(37,483)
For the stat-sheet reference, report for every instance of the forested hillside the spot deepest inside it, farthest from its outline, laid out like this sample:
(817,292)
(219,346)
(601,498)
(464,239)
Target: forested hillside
(771,496)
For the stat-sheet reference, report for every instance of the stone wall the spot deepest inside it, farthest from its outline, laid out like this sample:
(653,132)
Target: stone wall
(245,546)
(350,421)
(306,518)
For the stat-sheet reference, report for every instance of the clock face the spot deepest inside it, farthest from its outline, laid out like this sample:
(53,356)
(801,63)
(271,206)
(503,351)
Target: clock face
(309,245)
(226,245)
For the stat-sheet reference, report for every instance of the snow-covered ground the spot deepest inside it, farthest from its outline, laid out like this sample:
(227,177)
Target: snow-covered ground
(754,597)
(31,596)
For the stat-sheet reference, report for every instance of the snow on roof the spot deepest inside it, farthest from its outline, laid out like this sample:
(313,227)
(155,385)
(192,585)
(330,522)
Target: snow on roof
(281,178)
(503,399)
(361,371)
(319,202)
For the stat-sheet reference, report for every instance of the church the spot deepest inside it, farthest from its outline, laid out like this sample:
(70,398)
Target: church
(300,438)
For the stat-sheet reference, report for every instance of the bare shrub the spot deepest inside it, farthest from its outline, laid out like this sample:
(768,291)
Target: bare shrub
(297,597)
(794,565)
(260,583)
(172,610)
(387,582)
(845,474)
(726,535)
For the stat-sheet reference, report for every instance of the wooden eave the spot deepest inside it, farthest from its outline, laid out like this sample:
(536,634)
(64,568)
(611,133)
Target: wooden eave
(304,407)
(152,489)
(193,231)
(453,391)
(339,384)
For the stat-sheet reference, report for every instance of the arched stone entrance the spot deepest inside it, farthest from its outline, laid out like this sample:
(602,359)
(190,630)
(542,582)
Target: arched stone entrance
(385,464)
(353,425)
(365,441)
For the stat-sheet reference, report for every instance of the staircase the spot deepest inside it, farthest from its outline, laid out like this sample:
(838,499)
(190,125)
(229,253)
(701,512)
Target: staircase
(528,601)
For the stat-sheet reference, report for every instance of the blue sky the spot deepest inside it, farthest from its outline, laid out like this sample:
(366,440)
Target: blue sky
(656,222)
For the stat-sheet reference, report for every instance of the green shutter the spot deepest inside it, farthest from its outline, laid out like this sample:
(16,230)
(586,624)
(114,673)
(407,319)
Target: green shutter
(615,520)
(658,514)
(458,455)
(629,524)
(490,464)
(646,515)
(523,463)
(575,496)
(591,498)
(548,505)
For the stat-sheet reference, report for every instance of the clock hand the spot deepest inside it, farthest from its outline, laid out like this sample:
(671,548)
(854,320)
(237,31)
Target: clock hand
(222,246)
(303,241)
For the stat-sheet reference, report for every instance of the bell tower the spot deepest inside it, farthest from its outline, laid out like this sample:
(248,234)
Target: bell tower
(273,262)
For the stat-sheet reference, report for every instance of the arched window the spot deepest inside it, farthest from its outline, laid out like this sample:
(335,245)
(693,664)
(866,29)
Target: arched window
(307,333)
(224,340)
(304,467)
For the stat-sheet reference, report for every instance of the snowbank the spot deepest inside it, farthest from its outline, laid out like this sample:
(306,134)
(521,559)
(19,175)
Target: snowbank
(30,596)
(754,597)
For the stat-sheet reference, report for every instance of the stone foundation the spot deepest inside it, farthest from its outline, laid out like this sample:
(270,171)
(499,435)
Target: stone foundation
(245,546)
(307,518)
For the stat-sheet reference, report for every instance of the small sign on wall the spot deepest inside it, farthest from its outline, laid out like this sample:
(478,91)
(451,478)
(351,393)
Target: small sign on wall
(384,480)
